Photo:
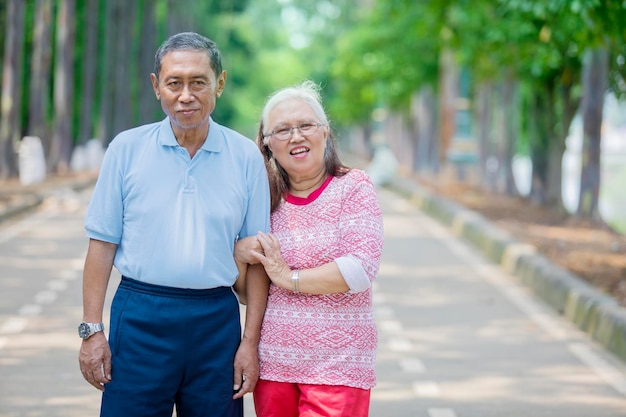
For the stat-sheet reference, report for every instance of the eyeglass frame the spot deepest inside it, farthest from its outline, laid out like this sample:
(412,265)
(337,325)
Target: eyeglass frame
(298,127)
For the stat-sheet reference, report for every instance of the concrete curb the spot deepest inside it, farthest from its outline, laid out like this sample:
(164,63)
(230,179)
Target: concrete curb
(21,205)
(30,199)
(597,314)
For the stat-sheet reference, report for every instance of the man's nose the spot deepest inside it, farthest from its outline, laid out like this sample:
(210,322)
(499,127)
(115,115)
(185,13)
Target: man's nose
(186,94)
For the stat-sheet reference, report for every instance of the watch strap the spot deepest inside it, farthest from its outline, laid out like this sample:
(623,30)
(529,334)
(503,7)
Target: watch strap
(86,330)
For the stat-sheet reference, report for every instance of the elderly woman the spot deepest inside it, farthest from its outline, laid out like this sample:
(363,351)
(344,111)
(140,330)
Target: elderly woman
(318,339)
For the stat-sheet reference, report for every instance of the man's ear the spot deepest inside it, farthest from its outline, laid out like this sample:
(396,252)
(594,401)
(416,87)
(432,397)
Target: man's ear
(155,85)
(221,83)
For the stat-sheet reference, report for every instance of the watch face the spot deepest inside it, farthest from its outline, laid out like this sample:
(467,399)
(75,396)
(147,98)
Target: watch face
(83,330)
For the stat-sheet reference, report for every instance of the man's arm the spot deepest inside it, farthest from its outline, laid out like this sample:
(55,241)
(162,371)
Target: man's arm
(242,250)
(240,284)
(247,357)
(95,354)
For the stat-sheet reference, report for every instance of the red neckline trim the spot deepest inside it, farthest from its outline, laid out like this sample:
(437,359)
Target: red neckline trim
(301,201)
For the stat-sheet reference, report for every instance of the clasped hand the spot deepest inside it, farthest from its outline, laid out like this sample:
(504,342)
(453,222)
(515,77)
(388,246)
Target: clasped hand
(265,248)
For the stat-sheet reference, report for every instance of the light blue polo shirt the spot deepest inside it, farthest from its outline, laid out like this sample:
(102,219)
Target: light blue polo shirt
(175,219)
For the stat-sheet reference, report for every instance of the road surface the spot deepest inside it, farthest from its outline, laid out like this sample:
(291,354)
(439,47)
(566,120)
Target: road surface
(458,337)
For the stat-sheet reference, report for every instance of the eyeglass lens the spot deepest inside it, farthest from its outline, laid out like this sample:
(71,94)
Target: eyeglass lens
(305,129)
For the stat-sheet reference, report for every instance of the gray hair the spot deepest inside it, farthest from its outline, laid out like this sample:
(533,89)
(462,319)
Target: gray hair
(307,91)
(189,41)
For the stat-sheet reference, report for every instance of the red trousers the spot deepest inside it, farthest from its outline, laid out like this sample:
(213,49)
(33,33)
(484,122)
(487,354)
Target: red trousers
(284,399)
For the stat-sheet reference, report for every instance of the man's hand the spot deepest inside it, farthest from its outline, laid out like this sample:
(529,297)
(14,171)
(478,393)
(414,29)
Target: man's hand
(246,369)
(95,360)
(243,248)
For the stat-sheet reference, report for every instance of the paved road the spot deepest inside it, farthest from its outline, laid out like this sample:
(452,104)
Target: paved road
(458,338)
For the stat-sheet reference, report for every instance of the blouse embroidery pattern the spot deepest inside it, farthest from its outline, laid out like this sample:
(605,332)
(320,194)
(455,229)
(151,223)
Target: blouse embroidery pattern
(325,339)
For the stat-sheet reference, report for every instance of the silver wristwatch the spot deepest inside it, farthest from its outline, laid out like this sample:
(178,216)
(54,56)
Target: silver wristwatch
(86,330)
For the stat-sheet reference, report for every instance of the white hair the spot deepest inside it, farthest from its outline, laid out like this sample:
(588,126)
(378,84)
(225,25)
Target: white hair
(307,91)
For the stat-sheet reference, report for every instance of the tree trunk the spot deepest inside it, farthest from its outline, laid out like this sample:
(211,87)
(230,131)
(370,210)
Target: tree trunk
(10,100)
(429,131)
(424,119)
(542,108)
(41,61)
(509,132)
(554,175)
(149,108)
(62,138)
(360,143)
(483,115)
(413,126)
(568,104)
(105,126)
(90,68)
(448,92)
(123,105)
(595,80)
(548,138)
(179,19)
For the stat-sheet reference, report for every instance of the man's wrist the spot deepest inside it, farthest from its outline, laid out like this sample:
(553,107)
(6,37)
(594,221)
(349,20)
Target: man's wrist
(251,339)
(86,329)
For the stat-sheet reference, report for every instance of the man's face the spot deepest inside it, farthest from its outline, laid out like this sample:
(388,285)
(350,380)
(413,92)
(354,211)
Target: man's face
(188,88)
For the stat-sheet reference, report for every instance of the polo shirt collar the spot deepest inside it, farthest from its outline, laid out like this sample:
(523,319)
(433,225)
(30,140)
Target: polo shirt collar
(213,142)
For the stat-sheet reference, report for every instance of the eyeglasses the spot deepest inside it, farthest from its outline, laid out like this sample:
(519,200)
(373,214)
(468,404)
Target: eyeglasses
(305,129)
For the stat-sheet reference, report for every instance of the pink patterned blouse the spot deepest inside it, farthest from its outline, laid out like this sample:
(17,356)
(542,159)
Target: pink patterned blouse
(326,339)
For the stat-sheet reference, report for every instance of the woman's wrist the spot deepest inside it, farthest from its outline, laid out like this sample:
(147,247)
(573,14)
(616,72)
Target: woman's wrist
(295,281)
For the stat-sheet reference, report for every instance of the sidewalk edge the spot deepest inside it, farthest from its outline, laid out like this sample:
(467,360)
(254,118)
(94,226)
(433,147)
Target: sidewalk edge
(595,313)
(30,200)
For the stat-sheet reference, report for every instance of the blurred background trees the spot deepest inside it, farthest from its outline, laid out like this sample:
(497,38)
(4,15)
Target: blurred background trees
(457,88)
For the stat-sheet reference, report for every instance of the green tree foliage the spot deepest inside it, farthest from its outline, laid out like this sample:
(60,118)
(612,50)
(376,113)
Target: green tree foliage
(541,44)
(112,93)
(606,23)
(388,55)
(364,53)
(393,50)
(287,41)
(259,59)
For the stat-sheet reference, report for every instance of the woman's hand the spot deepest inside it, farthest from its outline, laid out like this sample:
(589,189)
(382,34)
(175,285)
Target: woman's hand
(272,260)
(244,248)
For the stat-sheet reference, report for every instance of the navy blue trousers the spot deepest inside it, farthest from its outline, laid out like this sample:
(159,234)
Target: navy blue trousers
(172,347)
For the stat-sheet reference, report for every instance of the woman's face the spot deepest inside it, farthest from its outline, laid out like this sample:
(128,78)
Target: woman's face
(302,157)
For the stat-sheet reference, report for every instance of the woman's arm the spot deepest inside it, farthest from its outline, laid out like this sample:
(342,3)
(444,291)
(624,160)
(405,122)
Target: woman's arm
(324,279)
(359,250)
